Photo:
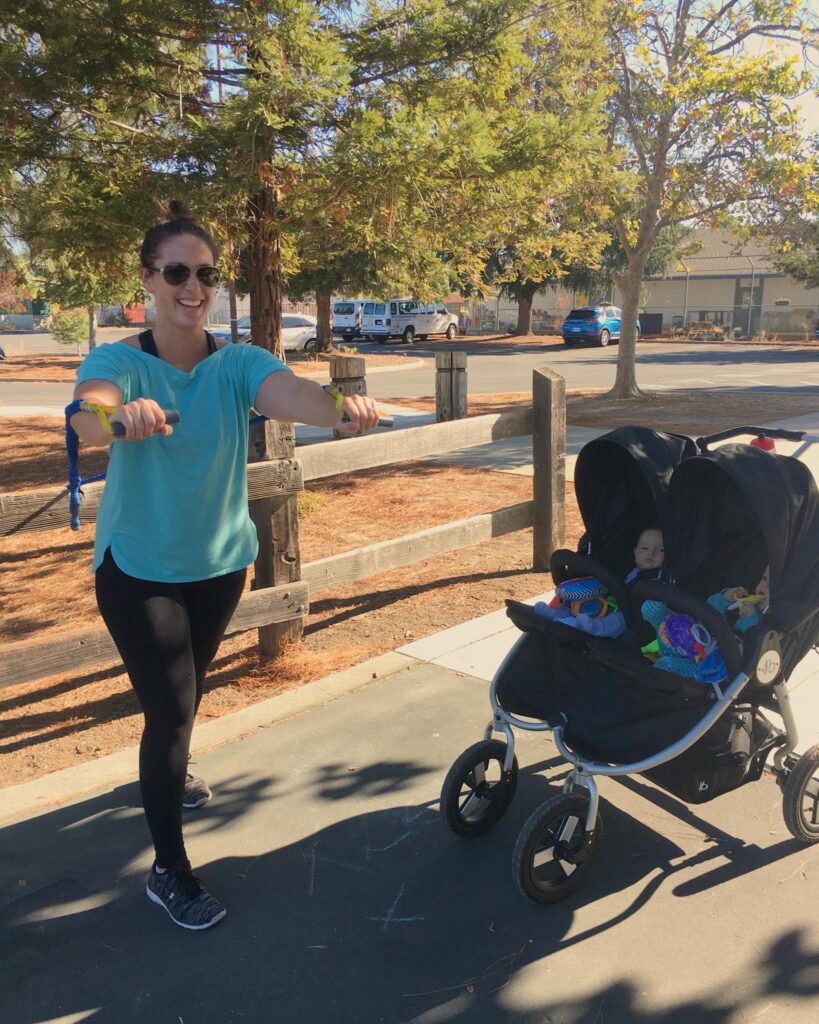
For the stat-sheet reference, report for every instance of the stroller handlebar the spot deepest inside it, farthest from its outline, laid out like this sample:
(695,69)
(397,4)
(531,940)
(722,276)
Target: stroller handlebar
(772,432)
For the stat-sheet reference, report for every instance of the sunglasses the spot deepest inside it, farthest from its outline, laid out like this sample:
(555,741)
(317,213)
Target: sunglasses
(178,273)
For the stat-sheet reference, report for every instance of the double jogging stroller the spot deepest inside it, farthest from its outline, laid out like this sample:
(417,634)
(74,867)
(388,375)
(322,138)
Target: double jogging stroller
(726,514)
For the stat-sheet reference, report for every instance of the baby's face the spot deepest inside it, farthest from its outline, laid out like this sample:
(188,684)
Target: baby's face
(649,553)
(764,585)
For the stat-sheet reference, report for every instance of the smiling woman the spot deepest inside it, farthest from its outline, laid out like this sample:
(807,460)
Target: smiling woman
(174,537)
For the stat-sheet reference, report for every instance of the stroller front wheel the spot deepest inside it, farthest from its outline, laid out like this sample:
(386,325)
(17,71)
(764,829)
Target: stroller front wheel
(477,792)
(554,851)
(800,798)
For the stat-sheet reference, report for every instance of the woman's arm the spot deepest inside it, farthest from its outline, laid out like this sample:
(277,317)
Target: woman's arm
(284,396)
(141,418)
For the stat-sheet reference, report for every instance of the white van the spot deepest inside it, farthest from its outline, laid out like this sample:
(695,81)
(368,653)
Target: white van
(347,317)
(375,321)
(410,319)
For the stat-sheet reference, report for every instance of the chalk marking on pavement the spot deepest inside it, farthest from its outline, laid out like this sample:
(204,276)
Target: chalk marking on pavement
(411,815)
(391,918)
(314,858)
(395,842)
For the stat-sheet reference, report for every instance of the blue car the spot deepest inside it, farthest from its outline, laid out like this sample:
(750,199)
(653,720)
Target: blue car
(600,324)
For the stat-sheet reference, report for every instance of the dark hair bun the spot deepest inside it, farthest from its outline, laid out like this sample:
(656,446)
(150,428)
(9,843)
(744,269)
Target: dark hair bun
(177,209)
(175,218)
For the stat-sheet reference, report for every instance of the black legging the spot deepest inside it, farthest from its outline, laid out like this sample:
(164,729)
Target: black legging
(167,635)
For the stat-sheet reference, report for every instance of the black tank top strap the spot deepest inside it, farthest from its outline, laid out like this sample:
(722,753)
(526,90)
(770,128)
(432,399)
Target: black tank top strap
(147,343)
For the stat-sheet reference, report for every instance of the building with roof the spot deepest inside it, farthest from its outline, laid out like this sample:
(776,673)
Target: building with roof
(734,287)
(737,288)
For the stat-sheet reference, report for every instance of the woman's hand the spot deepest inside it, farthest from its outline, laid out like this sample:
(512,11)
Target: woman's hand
(141,418)
(735,593)
(361,412)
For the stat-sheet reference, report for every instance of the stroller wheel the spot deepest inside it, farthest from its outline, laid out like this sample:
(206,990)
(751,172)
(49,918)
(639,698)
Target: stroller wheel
(800,799)
(554,851)
(477,792)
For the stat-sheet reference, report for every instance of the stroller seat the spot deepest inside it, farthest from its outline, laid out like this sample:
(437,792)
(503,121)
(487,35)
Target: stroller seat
(614,705)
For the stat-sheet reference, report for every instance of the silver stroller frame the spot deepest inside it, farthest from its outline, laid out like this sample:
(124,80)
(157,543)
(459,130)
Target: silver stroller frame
(584,771)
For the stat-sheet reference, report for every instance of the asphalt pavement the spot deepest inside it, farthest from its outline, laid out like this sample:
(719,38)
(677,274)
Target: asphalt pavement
(349,900)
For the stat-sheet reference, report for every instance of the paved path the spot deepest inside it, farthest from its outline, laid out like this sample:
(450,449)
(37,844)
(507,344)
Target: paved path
(350,901)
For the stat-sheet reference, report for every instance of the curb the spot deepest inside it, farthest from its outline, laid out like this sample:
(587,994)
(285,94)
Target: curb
(39,796)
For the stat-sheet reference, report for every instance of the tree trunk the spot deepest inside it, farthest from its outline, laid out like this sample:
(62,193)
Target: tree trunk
(524,324)
(266,282)
(276,519)
(324,324)
(524,294)
(92,327)
(625,383)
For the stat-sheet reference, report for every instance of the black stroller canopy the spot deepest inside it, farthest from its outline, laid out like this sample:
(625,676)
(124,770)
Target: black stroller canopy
(736,510)
(621,481)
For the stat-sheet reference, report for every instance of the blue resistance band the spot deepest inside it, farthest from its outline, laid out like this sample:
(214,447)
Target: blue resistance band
(75,481)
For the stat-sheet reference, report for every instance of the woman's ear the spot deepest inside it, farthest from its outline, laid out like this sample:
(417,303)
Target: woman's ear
(146,277)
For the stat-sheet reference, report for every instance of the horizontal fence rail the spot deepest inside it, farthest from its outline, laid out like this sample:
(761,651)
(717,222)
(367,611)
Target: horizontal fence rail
(47,509)
(331,458)
(349,566)
(26,660)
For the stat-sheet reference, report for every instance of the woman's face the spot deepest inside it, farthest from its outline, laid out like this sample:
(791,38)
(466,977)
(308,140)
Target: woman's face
(183,306)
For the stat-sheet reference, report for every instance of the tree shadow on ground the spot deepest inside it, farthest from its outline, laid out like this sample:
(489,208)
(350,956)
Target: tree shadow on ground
(379,916)
(360,604)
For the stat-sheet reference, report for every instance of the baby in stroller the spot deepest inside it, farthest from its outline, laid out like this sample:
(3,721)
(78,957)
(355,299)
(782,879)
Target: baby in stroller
(685,646)
(749,607)
(649,555)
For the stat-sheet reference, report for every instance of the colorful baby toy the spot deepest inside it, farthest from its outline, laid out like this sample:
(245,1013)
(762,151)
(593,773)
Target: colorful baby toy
(683,645)
(583,596)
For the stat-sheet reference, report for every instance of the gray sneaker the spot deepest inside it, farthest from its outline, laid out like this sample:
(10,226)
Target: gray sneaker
(197,792)
(187,901)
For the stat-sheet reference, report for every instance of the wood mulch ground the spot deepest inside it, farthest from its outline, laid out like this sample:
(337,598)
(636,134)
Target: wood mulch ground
(46,586)
(687,412)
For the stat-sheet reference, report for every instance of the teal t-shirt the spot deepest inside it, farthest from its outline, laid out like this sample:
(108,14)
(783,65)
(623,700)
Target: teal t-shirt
(175,509)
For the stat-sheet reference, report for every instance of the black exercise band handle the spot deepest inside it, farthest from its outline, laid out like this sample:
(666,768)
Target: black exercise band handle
(171,416)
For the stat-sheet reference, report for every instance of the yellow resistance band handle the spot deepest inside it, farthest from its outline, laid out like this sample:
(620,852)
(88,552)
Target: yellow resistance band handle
(333,392)
(102,412)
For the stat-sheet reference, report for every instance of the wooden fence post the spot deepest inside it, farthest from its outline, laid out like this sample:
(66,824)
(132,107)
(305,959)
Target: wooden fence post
(277,524)
(549,458)
(348,374)
(450,386)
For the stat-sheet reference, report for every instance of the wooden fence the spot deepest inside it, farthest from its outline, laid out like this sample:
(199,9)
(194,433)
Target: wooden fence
(61,652)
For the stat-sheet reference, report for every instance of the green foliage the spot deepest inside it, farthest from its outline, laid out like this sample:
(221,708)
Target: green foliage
(70,327)
(703,123)
(10,301)
(116,318)
(309,501)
